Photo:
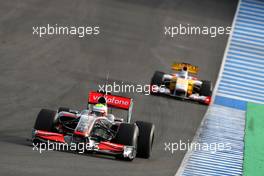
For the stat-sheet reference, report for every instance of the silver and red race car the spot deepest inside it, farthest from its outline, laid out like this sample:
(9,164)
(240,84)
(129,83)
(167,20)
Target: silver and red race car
(104,133)
(183,84)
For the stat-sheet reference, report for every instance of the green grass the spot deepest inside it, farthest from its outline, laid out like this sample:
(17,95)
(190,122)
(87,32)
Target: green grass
(254,141)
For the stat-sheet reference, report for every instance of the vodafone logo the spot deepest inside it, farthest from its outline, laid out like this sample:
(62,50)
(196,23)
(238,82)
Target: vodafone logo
(116,101)
(112,100)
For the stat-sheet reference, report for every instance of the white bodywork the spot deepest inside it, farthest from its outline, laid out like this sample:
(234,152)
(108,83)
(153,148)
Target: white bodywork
(87,121)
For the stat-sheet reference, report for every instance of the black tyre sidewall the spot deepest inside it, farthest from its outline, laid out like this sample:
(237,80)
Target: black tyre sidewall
(206,88)
(63,109)
(145,139)
(157,78)
(127,135)
(45,120)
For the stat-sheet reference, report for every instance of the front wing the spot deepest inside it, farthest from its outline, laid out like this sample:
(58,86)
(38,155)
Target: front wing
(104,147)
(206,100)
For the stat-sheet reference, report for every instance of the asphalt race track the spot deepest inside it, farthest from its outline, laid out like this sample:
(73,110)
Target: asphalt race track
(58,71)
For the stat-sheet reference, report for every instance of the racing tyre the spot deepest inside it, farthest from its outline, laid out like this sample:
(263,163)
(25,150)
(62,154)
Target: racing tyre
(45,120)
(127,135)
(145,139)
(206,88)
(63,109)
(157,78)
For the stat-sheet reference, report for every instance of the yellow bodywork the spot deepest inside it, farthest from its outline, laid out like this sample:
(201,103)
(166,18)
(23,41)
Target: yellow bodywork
(190,85)
(191,68)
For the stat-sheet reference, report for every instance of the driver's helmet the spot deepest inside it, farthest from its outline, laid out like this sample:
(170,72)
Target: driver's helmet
(183,73)
(99,110)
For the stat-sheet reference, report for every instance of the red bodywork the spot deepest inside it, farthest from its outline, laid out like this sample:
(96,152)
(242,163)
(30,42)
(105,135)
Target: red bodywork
(108,146)
(207,100)
(102,146)
(111,100)
(56,137)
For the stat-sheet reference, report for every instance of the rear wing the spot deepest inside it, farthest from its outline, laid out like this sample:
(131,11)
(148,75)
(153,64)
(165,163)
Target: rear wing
(190,68)
(113,101)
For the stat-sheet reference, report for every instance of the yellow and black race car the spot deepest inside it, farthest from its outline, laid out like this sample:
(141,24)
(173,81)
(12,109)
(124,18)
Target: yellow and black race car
(183,84)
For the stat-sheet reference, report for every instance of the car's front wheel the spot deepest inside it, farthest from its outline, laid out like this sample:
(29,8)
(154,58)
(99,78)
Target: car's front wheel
(45,120)
(63,109)
(145,139)
(157,78)
(127,135)
(206,88)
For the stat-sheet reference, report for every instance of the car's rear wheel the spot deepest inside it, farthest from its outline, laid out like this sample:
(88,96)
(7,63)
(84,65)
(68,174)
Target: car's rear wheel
(127,135)
(206,88)
(145,139)
(63,109)
(45,120)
